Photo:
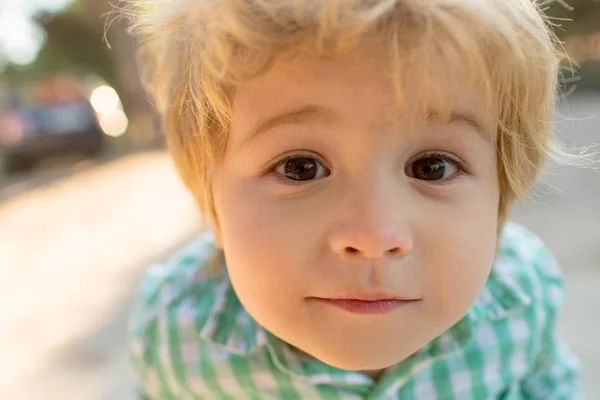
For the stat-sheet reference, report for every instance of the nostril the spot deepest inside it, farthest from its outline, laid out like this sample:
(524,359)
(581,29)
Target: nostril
(354,251)
(395,251)
(351,250)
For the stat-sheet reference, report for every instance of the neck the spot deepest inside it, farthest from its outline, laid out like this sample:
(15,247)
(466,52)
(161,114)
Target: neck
(374,374)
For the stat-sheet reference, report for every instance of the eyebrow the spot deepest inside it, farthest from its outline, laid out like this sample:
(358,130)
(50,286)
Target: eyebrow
(312,112)
(303,114)
(468,119)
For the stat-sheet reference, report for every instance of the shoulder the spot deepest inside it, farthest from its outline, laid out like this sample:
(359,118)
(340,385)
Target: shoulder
(535,271)
(525,288)
(514,318)
(183,277)
(174,316)
(520,301)
(509,335)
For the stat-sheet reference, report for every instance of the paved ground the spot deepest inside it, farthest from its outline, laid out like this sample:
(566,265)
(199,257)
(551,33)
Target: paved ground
(65,287)
(70,254)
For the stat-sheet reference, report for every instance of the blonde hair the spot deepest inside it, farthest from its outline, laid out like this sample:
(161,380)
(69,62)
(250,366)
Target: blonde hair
(196,51)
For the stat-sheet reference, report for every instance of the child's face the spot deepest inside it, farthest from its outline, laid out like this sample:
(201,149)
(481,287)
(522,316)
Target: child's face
(323,195)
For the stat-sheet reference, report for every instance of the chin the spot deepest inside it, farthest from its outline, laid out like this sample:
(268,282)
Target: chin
(358,362)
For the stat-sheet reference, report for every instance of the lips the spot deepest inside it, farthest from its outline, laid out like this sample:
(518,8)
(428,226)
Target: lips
(367,303)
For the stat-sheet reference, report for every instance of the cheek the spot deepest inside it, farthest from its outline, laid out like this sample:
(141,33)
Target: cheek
(460,251)
(461,270)
(259,237)
(264,265)
(246,222)
(249,219)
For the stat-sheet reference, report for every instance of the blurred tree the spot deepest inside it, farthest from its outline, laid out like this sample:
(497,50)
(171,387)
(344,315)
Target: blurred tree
(75,46)
(579,29)
(122,53)
(127,80)
(575,17)
(75,43)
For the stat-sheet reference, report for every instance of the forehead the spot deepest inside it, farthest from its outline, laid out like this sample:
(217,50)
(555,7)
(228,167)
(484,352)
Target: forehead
(365,81)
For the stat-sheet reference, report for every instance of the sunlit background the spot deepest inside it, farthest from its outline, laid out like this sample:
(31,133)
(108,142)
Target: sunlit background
(88,197)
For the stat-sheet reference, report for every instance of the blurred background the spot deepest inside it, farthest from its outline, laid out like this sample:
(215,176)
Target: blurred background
(88,197)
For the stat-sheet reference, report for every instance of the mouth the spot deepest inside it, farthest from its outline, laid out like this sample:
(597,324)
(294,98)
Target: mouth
(367,303)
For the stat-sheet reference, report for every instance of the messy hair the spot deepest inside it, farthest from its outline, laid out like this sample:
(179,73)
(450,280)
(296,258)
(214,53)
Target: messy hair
(195,52)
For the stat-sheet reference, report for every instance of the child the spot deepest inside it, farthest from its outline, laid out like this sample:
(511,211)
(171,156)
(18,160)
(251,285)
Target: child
(358,160)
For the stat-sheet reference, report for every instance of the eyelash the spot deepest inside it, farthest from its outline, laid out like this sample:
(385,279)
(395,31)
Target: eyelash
(270,170)
(461,166)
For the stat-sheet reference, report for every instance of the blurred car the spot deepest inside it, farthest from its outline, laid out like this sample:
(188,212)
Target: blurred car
(29,134)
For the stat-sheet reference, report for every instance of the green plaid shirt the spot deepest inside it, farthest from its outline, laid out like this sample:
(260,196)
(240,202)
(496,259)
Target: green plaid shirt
(192,339)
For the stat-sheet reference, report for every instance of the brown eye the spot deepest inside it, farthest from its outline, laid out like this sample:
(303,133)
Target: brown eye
(431,169)
(301,168)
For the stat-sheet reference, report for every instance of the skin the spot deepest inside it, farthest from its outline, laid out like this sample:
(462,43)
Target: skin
(367,220)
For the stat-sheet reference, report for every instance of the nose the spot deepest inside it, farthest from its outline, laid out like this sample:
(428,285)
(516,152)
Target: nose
(371,229)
